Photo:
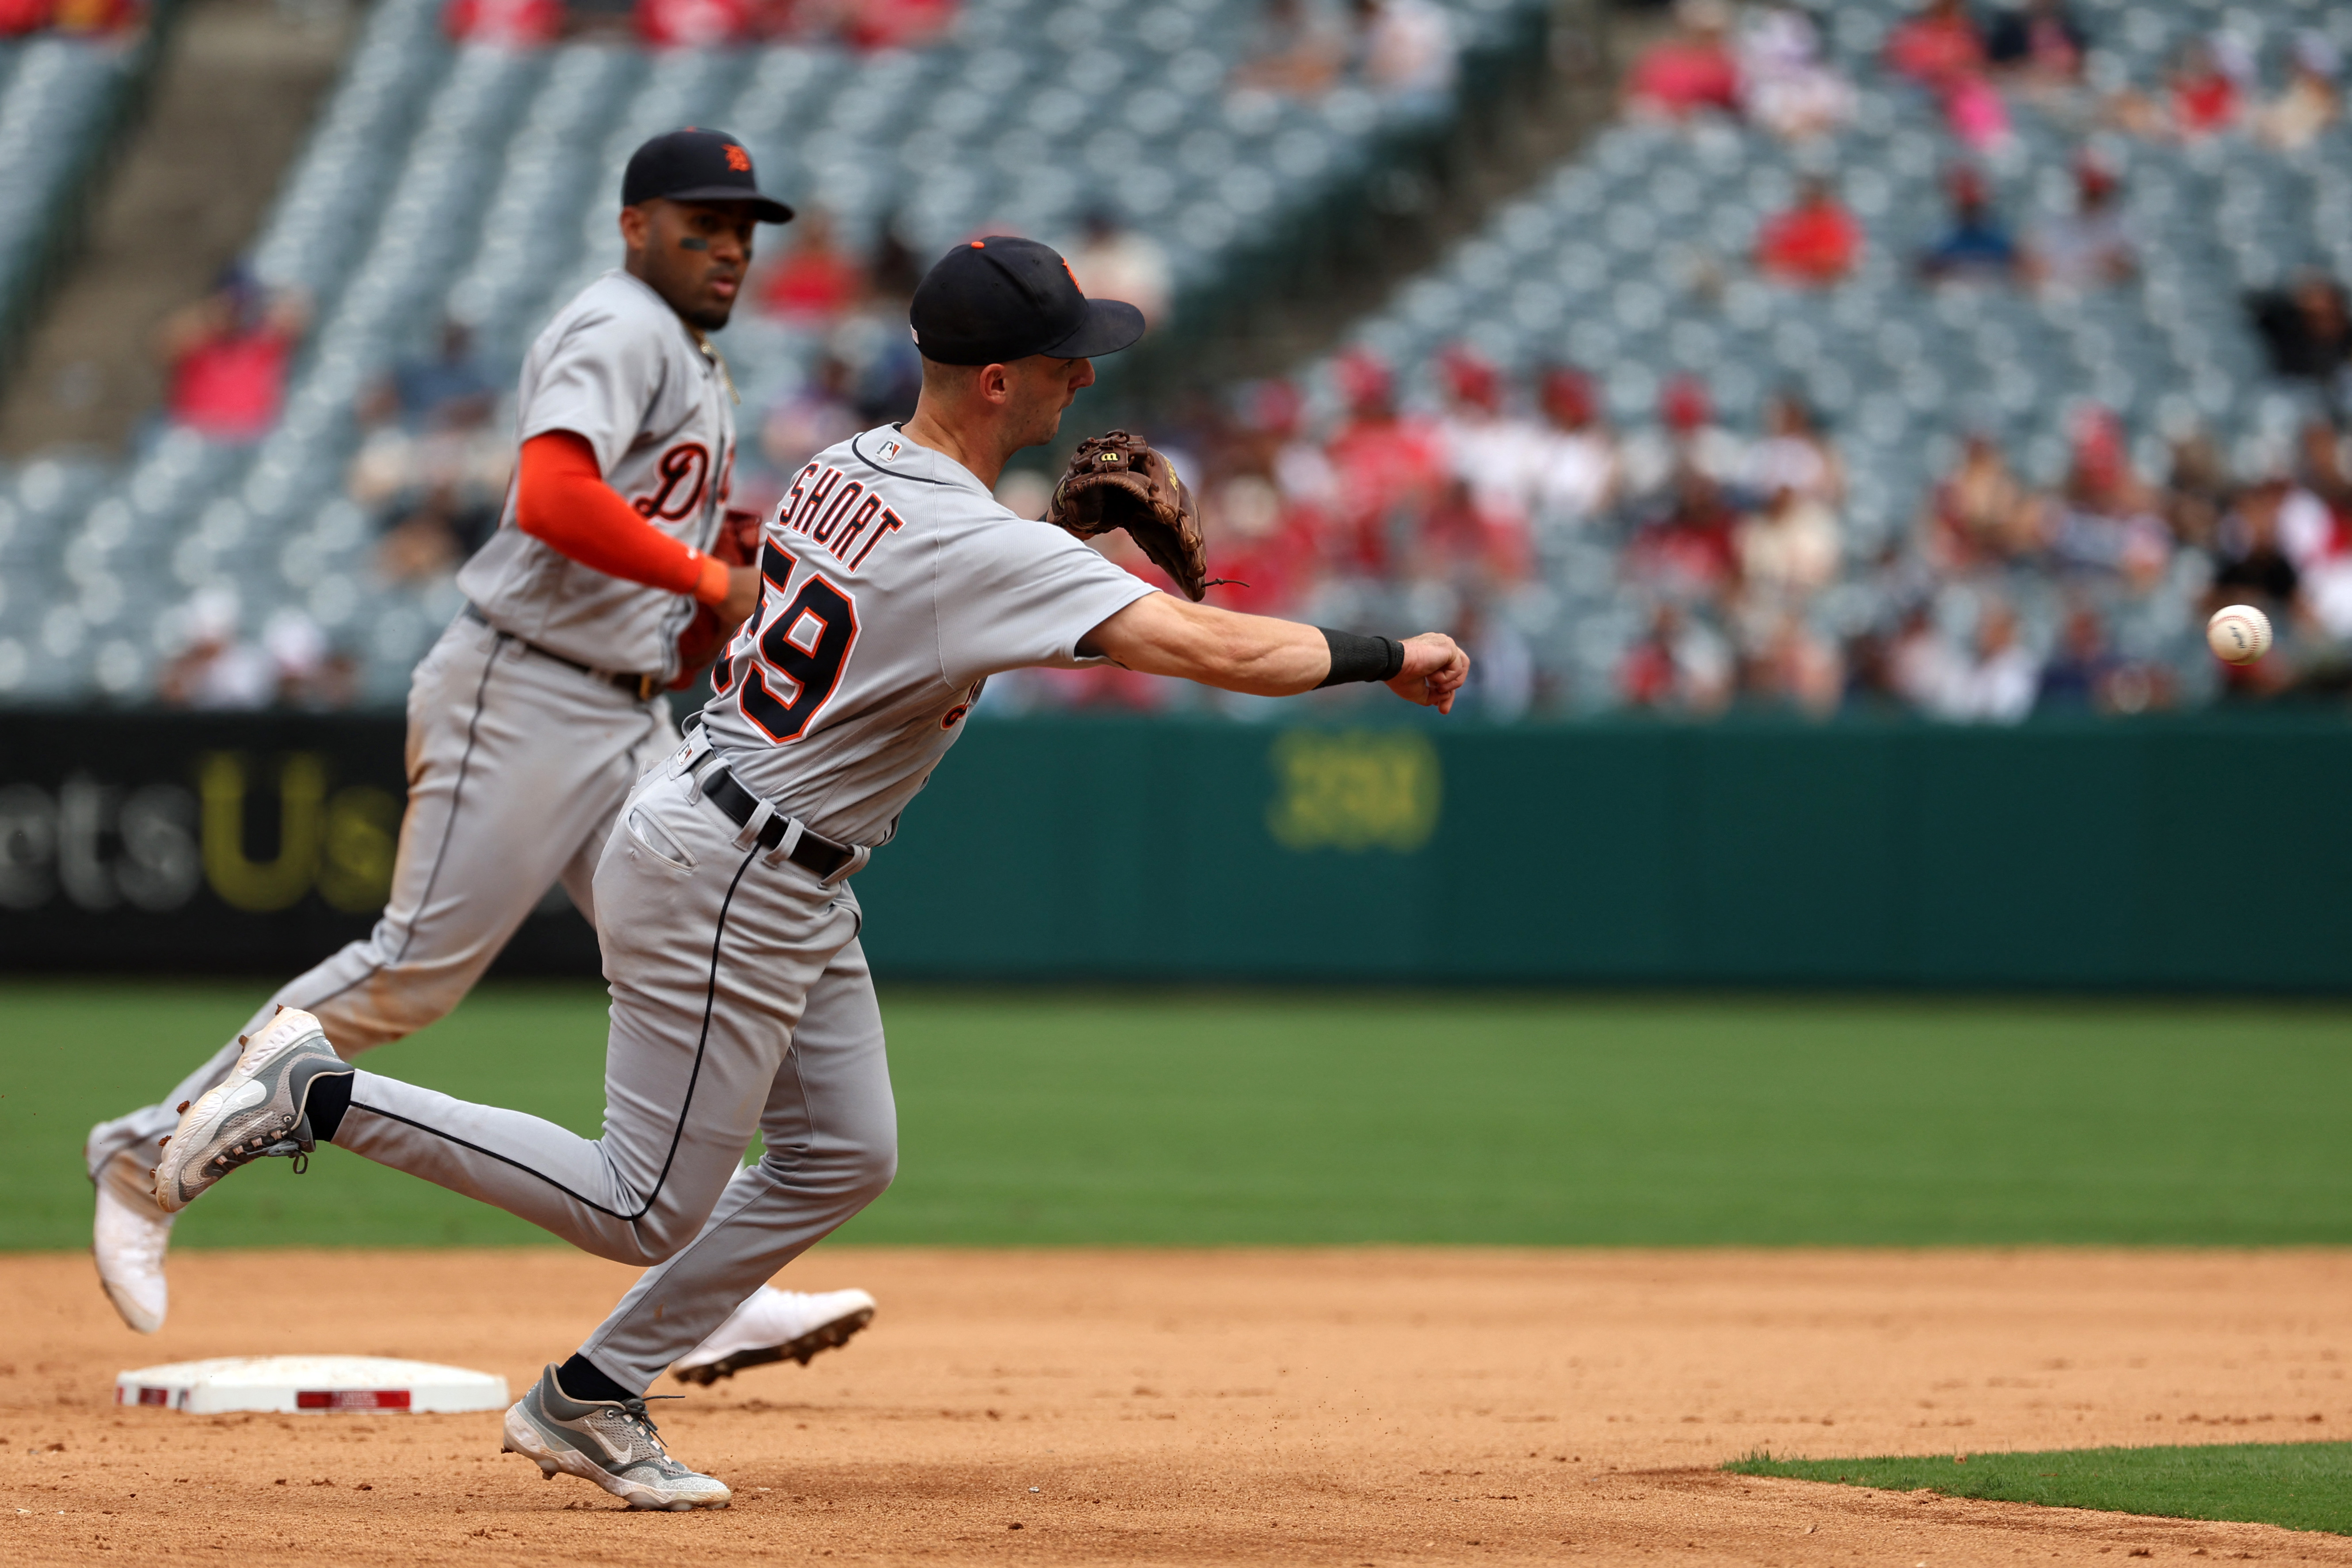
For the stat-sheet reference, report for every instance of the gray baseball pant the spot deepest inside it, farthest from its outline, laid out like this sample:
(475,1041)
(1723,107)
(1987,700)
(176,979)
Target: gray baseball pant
(517,765)
(741,1004)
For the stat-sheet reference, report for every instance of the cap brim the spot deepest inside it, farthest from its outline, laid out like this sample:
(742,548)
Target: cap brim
(1110,325)
(767,209)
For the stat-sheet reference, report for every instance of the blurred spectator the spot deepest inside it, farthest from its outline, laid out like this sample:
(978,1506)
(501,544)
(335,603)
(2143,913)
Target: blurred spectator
(1784,85)
(1261,545)
(1938,45)
(2204,97)
(693,24)
(1116,262)
(2105,519)
(309,670)
(508,23)
(1502,685)
(1689,548)
(1788,547)
(818,413)
(216,670)
(450,390)
(1793,455)
(20,18)
(1817,241)
(2197,489)
(1998,684)
(2040,43)
(1386,467)
(89,17)
(1977,247)
(2315,530)
(1680,665)
(227,357)
(1297,49)
(887,23)
(2090,246)
(1575,471)
(1488,452)
(1979,512)
(1690,70)
(817,281)
(2305,325)
(429,540)
(1405,50)
(2251,566)
(2086,673)
(1794,665)
(2310,103)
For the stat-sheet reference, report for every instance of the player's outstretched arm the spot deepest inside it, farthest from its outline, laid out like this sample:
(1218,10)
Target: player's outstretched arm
(1163,635)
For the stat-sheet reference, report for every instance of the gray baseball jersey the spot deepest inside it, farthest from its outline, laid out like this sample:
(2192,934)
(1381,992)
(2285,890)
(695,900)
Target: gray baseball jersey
(893,586)
(619,367)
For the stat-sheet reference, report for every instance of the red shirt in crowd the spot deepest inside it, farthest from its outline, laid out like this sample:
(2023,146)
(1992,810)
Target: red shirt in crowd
(896,24)
(229,387)
(1381,462)
(1816,241)
(1682,76)
(693,24)
(517,24)
(814,283)
(2204,102)
(1937,46)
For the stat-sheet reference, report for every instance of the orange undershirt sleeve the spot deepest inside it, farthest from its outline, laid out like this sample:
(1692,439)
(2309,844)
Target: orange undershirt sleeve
(562,501)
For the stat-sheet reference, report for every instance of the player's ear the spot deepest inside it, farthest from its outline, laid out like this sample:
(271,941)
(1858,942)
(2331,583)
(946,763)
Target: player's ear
(995,383)
(636,226)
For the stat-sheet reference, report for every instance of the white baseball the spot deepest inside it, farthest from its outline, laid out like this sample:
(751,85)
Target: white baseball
(2238,634)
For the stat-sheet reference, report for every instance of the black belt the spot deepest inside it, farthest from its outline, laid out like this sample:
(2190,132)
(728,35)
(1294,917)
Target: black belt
(814,851)
(644,687)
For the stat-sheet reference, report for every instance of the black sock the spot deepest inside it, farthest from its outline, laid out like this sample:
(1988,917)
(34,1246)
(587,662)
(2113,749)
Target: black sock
(579,1378)
(329,1098)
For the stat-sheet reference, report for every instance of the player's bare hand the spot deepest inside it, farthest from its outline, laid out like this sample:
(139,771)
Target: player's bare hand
(1435,669)
(743,594)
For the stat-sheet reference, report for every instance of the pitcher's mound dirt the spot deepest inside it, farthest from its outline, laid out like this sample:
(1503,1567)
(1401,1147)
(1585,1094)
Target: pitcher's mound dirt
(1343,1407)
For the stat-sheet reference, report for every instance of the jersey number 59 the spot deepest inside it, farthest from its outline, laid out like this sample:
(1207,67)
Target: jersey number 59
(801,649)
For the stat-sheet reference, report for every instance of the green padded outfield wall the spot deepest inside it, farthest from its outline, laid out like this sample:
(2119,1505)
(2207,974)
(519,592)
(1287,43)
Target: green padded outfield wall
(2187,854)
(2211,853)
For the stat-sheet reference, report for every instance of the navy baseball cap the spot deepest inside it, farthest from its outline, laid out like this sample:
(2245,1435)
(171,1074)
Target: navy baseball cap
(998,298)
(697,165)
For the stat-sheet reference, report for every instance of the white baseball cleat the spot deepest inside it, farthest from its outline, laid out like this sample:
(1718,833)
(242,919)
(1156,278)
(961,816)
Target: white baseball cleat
(611,1442)
(775,1325)
(129,1239)
(260,1108)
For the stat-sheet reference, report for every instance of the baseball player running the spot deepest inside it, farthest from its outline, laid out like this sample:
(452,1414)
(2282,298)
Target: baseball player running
(893,585)
(538,708)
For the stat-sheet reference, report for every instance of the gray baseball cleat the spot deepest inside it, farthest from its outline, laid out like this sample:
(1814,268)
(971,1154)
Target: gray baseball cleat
(610,1442)
(258,1111)
(775,1325)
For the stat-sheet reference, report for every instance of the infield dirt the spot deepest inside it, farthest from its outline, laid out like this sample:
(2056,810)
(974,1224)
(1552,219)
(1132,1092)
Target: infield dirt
(1347,1408)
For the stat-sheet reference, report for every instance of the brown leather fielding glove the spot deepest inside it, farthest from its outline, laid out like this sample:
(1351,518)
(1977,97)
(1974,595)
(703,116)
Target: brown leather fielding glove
(706,637)
(1117,481)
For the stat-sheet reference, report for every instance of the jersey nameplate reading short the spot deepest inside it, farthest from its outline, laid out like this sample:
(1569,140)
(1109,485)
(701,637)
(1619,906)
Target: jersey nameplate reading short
(892,586)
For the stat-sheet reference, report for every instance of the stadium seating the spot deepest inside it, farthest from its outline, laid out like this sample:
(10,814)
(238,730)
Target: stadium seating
(1631,260)
(59,96)
(478,183)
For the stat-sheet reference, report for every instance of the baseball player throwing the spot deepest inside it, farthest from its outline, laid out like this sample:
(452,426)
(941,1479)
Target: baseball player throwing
(892,586)
(538,708)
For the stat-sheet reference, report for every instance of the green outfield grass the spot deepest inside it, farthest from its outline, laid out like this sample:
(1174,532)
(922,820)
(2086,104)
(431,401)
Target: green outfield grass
(2303,1486)
(1272,1117)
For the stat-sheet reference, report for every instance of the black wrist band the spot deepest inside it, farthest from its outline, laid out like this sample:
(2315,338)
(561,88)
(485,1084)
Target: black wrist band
(1356,657)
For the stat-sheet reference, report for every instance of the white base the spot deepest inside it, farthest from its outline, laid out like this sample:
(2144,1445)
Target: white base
(310,1382)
